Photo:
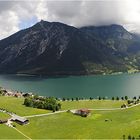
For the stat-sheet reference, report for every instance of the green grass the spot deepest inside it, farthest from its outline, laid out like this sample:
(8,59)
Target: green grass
(69,126)
(4,116)
(15,105)
(91,104)
(9,133)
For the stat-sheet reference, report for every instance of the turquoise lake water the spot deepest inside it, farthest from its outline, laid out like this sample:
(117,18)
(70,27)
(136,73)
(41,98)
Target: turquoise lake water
(75,86)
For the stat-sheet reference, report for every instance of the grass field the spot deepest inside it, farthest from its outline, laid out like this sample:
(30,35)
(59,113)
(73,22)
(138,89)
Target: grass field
(9,133)
(15,105)
(91,104)
(69,126)
(4,116)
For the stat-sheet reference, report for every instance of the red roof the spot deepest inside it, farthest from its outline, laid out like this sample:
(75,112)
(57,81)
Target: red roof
(84,110)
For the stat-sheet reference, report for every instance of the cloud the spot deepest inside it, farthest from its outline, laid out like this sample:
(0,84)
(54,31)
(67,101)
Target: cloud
(15,15)
(11,24)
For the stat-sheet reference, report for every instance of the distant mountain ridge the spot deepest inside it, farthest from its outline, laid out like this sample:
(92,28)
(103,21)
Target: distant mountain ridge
(53,48)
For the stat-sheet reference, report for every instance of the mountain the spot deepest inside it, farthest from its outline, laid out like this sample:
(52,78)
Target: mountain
(53,48)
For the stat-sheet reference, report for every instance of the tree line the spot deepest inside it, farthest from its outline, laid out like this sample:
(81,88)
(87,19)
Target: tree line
(101,98)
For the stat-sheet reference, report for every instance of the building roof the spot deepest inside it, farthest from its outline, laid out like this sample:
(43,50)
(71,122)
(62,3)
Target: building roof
(84,110)
(16,117)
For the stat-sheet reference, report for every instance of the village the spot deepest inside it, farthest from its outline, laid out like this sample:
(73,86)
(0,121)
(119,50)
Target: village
(13,93)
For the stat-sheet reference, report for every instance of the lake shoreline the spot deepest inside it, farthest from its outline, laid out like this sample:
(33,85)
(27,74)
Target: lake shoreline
(69,75)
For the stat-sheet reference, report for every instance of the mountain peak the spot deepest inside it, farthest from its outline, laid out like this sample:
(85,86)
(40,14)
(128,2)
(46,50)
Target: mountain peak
(57,48)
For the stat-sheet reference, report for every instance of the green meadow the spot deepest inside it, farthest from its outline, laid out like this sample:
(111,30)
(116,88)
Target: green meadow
(119,124)
(66,125)
(15,105)
(9,133)
(93,104)
(4,116)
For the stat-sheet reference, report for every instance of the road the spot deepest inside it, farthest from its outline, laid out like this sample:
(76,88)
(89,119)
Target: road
(73,111)
(47,114)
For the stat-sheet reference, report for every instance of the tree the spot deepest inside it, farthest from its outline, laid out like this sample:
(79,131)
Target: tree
(129,137)
(122,98)
(134,97)
(53,108)
(28,102)
(59,106)
(36,97)
(126,97)
(128,102)
(77,99)
(113,98)
(117,98)
(99,98)
(1,92)
(123,137)
(72,99)
(40,105)
(90,98)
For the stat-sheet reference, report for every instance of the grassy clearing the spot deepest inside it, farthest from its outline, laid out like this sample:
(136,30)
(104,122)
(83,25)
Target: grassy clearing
(91,104)
(15,105)
(67,125)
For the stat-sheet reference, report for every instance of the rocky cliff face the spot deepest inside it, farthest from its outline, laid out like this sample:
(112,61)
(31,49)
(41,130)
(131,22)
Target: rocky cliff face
(55,48)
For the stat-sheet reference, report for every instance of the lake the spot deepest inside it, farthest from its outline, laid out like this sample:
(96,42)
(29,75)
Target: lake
(75,86)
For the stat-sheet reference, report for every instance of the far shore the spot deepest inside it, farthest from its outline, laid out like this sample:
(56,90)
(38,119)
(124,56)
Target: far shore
(71,74)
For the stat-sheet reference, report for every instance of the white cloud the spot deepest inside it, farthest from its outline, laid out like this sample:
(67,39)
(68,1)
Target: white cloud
(10,26)
(77,13)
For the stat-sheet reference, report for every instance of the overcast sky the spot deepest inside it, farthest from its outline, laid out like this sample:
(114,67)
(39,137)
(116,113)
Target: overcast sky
(17,15)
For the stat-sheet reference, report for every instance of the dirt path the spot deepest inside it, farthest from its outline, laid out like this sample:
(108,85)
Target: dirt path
(22,133)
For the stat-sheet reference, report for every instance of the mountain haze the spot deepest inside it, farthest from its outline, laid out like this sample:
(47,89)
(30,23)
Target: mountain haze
(53,48)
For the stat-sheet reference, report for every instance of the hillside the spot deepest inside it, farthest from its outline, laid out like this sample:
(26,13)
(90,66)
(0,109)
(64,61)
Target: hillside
(53,48)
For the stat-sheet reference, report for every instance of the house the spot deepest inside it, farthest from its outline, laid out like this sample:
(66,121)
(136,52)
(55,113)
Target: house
(18,95)
(82,112)
(19,120)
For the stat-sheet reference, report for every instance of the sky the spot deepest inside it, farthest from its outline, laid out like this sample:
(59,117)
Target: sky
(16,15)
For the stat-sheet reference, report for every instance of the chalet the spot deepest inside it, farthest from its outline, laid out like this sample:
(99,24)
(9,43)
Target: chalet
(82,112)
(19,120)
